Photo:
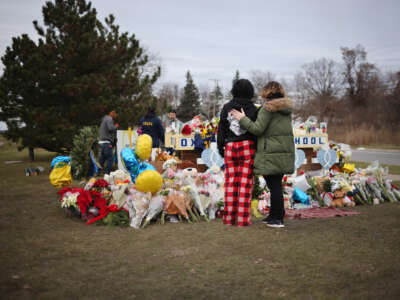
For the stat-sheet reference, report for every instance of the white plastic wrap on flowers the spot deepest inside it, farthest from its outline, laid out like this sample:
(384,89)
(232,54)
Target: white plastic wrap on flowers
(373,185)
(138,206)
(179,177)
(128,205)
(391,191)
(288,190)
(216,195)
(194,194)
(205,201)
(375,169)
(119,194)
(397,194)
(263,206)
(214,184)
(156,206)
(335,185)
(346,150)
(262,182)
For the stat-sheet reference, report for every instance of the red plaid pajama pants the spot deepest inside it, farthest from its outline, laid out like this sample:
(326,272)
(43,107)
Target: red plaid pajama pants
(239,179)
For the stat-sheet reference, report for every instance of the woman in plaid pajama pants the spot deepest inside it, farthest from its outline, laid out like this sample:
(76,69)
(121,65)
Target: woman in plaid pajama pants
(237,146)
(275,145)
(239,180)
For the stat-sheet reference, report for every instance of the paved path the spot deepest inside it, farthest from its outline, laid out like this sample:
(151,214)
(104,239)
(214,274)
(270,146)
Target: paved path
(390,157)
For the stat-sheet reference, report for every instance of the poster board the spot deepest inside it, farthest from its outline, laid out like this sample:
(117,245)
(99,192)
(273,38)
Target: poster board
(310,140)
(301,140)
(179,141)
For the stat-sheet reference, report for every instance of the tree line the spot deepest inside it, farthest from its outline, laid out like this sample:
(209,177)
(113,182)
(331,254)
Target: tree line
(348,94)
(351,93)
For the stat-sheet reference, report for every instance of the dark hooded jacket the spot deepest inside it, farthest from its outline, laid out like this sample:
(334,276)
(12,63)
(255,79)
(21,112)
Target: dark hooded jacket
(275,152)
(151,125)
(225,134)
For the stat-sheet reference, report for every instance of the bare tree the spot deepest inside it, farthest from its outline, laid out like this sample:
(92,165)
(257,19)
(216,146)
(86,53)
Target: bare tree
(167,96)
(318,86)
(391,103)
(260,79)
(361,77)
(320,78)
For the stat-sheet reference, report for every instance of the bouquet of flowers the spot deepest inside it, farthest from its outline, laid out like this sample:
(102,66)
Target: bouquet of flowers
(137,206)
(156,206)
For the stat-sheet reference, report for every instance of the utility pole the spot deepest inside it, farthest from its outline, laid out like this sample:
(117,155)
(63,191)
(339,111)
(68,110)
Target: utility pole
(216,81)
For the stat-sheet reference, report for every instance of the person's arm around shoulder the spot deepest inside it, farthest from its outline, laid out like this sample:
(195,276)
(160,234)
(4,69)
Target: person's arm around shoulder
(257,127)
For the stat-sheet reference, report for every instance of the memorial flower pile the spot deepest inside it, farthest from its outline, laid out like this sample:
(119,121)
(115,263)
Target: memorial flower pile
(115,200)
(340,189)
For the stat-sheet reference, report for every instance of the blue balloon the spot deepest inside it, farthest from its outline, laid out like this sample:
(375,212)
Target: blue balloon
(130,162)
(145,166)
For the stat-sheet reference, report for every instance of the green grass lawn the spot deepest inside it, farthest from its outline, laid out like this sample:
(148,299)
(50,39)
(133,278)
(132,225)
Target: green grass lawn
(46,255)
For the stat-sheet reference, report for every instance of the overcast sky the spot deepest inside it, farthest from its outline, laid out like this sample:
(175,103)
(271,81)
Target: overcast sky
(214,38)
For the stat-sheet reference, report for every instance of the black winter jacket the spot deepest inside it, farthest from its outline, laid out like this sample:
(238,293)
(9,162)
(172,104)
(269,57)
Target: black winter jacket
(225,134)
(151,125)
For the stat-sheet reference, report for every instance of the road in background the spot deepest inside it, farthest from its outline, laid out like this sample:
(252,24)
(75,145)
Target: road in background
(389,157)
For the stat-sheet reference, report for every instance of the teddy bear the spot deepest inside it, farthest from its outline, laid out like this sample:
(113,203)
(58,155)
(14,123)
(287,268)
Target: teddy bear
(340,199)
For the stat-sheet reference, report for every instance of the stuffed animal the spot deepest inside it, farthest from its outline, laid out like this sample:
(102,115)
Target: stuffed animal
(338,198)
(190,173)
(341,199)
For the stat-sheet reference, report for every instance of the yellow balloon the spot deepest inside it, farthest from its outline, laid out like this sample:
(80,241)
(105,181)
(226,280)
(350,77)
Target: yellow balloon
(149,181)
(144,144)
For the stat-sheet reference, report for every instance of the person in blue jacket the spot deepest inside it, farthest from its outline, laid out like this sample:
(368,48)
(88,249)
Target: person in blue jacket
(150,124)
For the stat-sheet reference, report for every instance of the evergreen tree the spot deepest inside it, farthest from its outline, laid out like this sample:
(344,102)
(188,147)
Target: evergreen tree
(78,71)
(189,105)
(19,95)
(229,95)
(84,142)
(236,78)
